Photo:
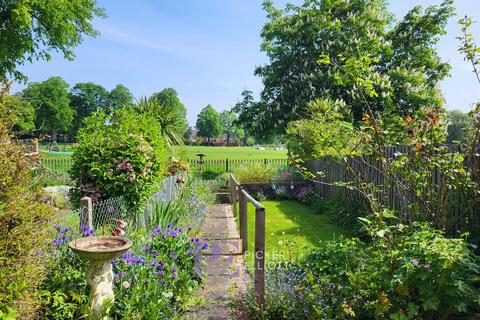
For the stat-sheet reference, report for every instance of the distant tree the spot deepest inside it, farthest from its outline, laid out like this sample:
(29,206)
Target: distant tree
(460,126)
(314,49)
(187,136)
(169,98)
(85,99)
(228,120)
(29,30)
(208,123)
(120,96)
(24,113)
(52,104)
(168,118)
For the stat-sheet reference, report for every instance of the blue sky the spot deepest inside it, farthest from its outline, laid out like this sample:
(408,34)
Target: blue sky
(207,50)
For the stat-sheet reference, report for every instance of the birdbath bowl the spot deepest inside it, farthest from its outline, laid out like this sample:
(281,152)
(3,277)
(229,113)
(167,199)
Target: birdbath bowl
(100,251)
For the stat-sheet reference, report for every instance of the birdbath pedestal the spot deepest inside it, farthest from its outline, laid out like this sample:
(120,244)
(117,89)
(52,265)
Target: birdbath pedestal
(100,251)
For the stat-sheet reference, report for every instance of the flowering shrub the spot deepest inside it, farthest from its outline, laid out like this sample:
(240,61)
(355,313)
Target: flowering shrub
(402,274)
(153,280)
(118,155)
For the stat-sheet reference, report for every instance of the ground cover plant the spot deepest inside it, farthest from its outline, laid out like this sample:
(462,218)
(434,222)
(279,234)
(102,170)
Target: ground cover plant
(153,280)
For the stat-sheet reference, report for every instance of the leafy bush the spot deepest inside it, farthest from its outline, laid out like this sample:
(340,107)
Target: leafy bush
(118,155)
(23,236)
(153,280)
(402,274)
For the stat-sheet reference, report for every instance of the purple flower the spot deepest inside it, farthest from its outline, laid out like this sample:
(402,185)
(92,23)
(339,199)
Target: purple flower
(189,251)
(156,231)
(174,269)
(189,228)
(130,259)
(114,263)
(205,246)
(160,273)
(87,231)
(122,274)
(173,255)
(155,264)
(154,255)
(173,233)
(169,225)
(473,246)
(415,262)
(427,266)
(148,247)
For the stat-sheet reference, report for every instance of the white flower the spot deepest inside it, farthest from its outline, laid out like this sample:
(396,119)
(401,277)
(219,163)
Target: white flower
(167,294)
(280,242)
(126,284)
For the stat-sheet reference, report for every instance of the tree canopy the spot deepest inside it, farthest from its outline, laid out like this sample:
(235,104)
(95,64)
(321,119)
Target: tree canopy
(208,123)
(230,127)
(29,30)
(85,99)
(316,48)
(120,96)
(168,97)
(51,100)
(460,126)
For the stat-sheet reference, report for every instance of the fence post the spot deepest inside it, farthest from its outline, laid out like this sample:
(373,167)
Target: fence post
(226,165)
(86,212)
(260,255)
(243,220)
(35,146)
(265,161)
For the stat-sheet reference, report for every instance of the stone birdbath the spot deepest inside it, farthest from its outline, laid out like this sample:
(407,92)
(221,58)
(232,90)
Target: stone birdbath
(99,251)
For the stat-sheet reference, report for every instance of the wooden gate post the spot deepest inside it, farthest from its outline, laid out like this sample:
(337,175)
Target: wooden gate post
(260,255)
(243,220)
(86,212)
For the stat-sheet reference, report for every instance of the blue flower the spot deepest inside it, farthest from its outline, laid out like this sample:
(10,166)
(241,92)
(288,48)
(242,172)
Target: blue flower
(87,231)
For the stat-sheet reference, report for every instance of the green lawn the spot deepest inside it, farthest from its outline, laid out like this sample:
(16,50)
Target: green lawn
(231,153)
(212,153)
(291,229)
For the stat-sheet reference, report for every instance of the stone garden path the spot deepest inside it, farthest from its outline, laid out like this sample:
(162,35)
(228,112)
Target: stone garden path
(224,270)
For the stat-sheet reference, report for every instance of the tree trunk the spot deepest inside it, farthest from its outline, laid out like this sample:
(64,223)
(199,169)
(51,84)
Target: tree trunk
(54,135)
(228,139)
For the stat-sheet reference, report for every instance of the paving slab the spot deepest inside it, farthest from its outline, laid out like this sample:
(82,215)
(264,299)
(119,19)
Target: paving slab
(224,270)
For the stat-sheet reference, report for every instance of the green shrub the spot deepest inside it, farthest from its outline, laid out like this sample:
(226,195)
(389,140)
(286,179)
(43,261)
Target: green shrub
(255,173)
(401,274)
(23,235)
(118,155)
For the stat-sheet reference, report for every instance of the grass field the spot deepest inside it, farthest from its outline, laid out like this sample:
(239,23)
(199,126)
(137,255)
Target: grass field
(291,229)
(231,153)
(190,152)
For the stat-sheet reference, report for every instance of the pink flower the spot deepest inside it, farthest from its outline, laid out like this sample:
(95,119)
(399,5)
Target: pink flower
(132,177)
(122,165)
(121,224)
